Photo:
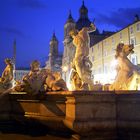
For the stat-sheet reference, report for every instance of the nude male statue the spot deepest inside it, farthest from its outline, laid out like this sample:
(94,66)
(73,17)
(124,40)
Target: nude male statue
(81,61)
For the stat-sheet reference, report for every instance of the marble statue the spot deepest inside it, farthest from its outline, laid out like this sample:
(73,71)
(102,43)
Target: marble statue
(81,63)
(128,74)
(54,82)
(33,81)
(6,80)
(40,80)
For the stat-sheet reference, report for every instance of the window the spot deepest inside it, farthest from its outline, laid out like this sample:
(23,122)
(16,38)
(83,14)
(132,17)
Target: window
(105,43)
(105,69)
(94,72)
(98,46)
(120,35)
(105,53)
(131,30)
(138,27)
(92,58)
(92,49)
(112,50)
(99,70)
(113,40)
(134,59)
(133,41)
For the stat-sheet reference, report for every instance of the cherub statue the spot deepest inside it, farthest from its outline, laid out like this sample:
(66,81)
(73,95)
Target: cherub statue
(6,80)
(81,62)
(128,74)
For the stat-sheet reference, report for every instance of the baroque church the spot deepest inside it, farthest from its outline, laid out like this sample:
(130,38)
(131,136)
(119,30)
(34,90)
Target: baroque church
(55,59)
(69,49)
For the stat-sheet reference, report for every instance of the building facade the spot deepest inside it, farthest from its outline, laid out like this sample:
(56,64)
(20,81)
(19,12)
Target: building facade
(102,53)
(20,73)
(102,47)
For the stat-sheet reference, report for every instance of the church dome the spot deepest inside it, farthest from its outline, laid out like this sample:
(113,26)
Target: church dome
(83,10)
(70,18)
(83,20)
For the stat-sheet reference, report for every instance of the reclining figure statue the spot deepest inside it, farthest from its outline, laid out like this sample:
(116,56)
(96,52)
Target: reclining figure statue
(6,80)
(33,81)
(37,80)
(54,82)
(128,74)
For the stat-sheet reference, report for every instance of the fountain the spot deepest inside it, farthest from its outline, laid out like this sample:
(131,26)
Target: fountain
(43,100)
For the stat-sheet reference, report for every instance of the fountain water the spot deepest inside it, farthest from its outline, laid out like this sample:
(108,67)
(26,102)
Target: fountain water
(69,82)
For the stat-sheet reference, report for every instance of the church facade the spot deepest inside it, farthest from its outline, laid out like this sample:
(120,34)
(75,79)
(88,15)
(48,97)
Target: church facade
(69,48)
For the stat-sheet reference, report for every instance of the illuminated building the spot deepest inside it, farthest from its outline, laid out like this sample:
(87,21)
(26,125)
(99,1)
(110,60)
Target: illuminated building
(102,46)
(102,53)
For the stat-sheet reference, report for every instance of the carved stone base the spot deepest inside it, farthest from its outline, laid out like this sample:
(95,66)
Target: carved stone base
(88,115)
(104,115)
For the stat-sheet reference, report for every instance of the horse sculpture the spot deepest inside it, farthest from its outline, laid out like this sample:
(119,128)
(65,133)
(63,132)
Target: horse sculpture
(128,74)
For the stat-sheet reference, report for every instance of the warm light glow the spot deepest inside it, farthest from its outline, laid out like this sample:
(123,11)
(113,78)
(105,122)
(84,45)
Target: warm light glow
(13,83)
(109,77)
(114,63)
(134,85)
(113,71)
(138,87)
(64,68)
(104,78)
(69,86)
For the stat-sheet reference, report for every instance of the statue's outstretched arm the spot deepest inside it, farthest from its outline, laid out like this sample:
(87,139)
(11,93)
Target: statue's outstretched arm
(92,28)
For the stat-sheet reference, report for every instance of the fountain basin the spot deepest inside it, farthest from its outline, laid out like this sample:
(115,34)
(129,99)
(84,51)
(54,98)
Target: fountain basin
(89,114)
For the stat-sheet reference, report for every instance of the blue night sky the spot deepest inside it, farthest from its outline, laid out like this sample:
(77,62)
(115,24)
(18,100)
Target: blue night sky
(32,23)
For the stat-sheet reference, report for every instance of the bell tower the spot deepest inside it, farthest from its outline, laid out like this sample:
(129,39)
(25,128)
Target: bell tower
(54,45)
(69,49)
(53,51)
(69,25)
